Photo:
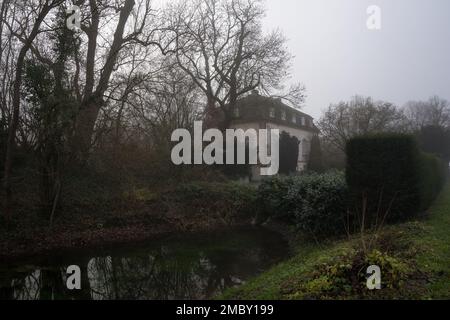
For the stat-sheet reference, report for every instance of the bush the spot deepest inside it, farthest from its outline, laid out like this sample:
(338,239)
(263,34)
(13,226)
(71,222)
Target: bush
(226,199)
(433,176)
(321,203)
(393,176)
(314,203)
(272,194)
(344,277)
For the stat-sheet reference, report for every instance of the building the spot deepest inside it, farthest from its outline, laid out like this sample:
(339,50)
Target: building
(259,112)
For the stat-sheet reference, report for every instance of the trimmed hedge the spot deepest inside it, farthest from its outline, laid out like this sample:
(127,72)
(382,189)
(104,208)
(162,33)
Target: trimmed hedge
(434,174)
(391,172)
(315,203)
(388,170)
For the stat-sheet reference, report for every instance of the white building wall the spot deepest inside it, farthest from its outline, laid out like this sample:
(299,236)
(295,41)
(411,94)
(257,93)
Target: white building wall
(246,126)
(303,136)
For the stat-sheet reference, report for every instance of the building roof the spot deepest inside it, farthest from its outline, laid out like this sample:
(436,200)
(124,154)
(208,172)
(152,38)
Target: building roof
(257,108)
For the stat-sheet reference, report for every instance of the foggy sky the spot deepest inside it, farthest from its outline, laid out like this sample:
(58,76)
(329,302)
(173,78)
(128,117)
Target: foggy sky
(336,56)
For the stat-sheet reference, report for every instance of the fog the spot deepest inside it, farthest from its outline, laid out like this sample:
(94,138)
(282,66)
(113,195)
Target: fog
(337,56)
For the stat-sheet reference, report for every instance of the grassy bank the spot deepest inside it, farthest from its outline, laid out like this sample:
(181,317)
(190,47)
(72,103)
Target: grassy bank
(434,257)
(416,255)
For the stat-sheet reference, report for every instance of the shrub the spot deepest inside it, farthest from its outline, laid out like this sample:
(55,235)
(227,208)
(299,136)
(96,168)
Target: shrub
(392,175)
(314,203)
(321,203)
(344,277)
(225,199)
(272,194)
(432,178)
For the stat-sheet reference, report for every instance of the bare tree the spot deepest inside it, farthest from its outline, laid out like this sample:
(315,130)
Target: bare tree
(362,115)
(92,98)
(433,112)
(221,46)
(167,102)
(109,31)
(27,29)
(7,57)
(134,127)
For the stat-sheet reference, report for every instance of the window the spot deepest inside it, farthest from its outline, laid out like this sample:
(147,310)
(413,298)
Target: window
(283,115)
(303,121)
(236,113)
(294,118)
(272,112)
(306,149)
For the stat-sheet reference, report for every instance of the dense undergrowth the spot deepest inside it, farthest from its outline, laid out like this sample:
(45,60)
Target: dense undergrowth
(97,209)
(414,259)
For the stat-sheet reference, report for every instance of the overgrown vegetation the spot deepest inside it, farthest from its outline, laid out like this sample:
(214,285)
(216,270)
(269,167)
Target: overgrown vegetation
(403,184)
(314,203)
(229,200)
(108,94)
(413,257)
(99,210)
(399,187)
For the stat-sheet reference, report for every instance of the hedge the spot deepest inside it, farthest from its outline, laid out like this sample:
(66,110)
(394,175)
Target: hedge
(315,203)
(433,177)
(393,175)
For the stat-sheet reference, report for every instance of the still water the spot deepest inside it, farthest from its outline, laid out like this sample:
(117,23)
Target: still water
(197,266)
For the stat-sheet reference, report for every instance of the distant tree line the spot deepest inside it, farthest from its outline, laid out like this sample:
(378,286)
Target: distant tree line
(428,120)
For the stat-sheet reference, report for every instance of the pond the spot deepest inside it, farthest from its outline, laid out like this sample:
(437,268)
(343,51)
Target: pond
(199,266)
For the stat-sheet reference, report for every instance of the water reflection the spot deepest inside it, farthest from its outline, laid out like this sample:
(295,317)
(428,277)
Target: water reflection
(187,267)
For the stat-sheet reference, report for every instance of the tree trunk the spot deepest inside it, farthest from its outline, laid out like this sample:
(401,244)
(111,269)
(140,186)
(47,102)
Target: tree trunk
(90,108)
(10,145)
(84,129)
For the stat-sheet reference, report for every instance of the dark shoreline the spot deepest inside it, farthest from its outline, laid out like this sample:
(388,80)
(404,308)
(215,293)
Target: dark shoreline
(43,245)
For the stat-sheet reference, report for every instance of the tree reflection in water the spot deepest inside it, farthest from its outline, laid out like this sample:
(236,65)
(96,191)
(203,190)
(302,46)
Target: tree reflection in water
(190,268)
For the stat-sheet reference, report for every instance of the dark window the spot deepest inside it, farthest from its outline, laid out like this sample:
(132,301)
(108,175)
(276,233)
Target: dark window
(272,112)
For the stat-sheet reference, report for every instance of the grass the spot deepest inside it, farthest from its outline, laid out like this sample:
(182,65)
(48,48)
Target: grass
(435,244)
(429,239)
(276,283)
